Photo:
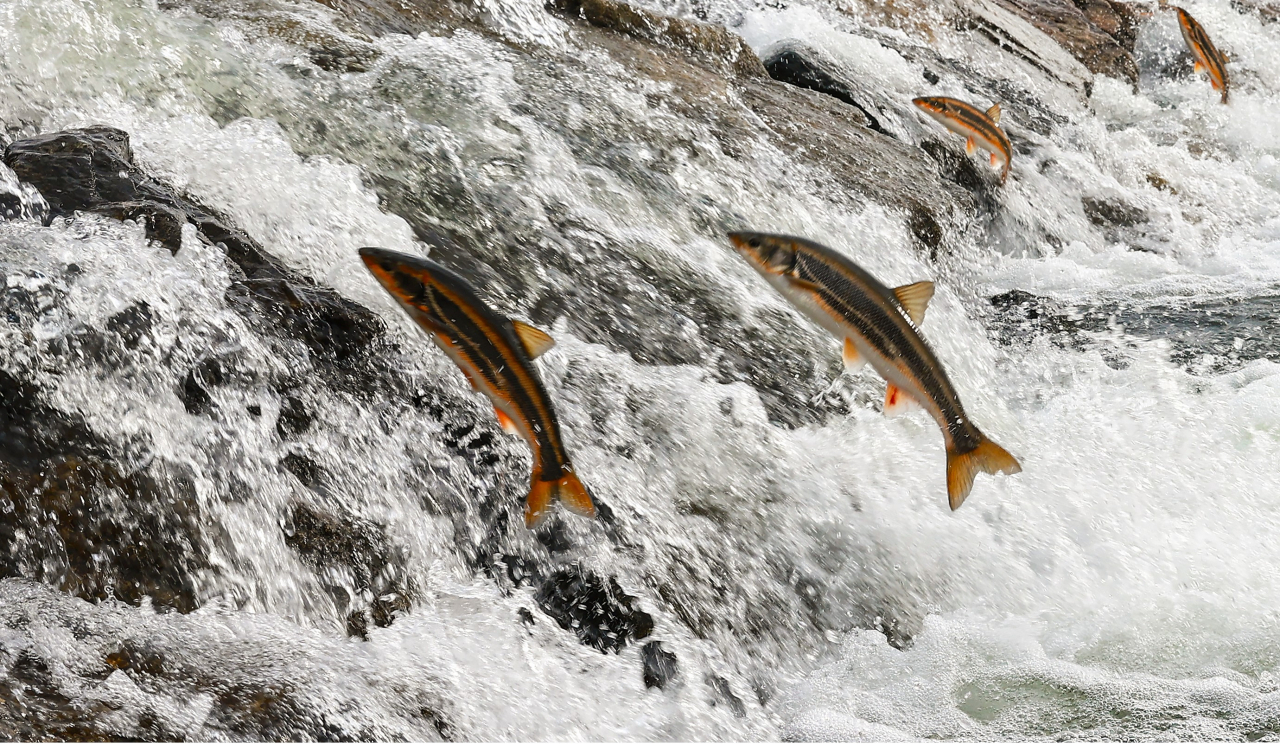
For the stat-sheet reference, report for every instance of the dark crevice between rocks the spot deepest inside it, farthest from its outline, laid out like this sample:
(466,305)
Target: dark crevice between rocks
(792,66)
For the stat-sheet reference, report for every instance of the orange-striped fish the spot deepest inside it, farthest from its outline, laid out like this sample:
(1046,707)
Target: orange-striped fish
(1208,58)
(978,128)
(881,326)
(496,354)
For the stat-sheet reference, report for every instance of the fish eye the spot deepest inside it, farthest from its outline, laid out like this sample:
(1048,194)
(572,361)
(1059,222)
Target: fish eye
(755,242)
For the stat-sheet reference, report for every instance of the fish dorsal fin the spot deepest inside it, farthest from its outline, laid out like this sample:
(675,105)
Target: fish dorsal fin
(535,341)
(852,359)
(994,113)
(914,298)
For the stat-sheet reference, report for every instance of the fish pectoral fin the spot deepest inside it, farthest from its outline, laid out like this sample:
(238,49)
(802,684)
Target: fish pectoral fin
(853,361)
(567,490)
(914,298)
(993,113)
(1199,66)
(806,285)
(536,342)
(508,425)
(896,401)
(970,144)
(988,457)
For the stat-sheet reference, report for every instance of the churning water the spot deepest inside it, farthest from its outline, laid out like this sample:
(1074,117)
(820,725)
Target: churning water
(793,545)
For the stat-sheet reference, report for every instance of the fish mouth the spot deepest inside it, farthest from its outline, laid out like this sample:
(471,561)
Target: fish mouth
(381,258)
(932,105)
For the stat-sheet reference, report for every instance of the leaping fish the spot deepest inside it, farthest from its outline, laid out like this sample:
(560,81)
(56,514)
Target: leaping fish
(978,128)
(1208,58)
(878,325)
(496,354)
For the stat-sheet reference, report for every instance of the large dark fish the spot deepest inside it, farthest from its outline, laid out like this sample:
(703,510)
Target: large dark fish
(496,354)
(979,128)
(1208,58)
(878,325)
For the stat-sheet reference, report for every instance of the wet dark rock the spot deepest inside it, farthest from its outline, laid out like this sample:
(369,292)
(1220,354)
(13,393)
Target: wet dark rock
(358,624)
(795,64)
(82,525)
(133,324)
(388,607)
(323,539)
(294,419)
(344,58)
(74,519)
(342,337)
(374,564)
(526,617)
(1268,11)
(959,168)
(32,708)
(1098,33)
(304,468)
(133,655)
(724,695)
(706,43)
(92,169)
(1208,335)
(202,378)
(659,665)
(597,610)
(1106,212)
(1021,316)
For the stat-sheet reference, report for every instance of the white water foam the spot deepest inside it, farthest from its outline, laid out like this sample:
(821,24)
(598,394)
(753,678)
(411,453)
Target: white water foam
(1123,585)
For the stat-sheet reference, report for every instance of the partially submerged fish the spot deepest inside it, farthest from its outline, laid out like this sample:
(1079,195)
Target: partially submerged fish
(878,325)
(977,127)
(1208,58)
(496,354)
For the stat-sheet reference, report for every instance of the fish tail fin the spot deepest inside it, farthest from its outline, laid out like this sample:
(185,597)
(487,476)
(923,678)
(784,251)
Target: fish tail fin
(567,490)
(987,457)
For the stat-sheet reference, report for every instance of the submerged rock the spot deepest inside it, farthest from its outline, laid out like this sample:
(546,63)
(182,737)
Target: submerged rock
(75,519)
(601,614)
(659,665)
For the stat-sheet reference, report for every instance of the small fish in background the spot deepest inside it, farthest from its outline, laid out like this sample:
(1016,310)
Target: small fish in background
(980,129)
(496,354)
(880,326)
(1208,58)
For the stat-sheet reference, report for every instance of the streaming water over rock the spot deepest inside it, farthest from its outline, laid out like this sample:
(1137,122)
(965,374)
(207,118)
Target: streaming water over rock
(243,497)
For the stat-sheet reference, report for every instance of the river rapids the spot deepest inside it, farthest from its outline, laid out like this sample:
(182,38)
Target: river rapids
(243,497)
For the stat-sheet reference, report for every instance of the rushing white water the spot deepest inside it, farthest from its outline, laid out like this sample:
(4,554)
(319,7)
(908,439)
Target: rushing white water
(1125,584)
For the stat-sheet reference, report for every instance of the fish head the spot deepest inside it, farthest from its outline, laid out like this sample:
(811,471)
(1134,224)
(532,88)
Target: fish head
(769,254)
(935,106)
(405,277)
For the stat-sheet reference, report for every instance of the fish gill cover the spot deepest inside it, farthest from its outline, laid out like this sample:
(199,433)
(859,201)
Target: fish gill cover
(242,497)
